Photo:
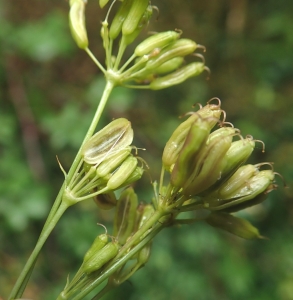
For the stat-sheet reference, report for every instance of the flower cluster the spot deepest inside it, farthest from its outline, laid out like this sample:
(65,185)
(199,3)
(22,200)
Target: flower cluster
(156,63)
(208,171)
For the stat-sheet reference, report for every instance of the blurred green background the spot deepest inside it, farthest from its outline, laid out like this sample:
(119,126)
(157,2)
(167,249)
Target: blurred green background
(49,91)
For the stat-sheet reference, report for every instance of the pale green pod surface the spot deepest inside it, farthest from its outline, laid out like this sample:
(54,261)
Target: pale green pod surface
(101,257)
(77,23)
(134,16)
(99,242)
(233,185)
(105,201)
(134,176)
(158,40)
(208,168)
(212,112)
(122,174)
(125,216)
(177,77)
(119,18)
(103,3)
(144,254)
(170,65)
(176,142)
(238,154)
(250,189)
(222,132)
(112,162)
(115,136)
(237,226)
(181,47)
(194,142)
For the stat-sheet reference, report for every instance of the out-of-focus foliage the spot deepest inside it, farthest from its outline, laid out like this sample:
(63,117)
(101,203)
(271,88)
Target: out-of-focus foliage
(49,91)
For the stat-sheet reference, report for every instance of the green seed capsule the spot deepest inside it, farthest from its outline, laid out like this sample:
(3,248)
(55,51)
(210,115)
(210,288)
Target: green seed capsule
(194,142)
(112,162)
(159,40)
(170,65)
(97,245)
(134,16)
(135,175)
(77,23)
(112,138)
(116,25)
(125,216)
(209,164)
(144,255)
(177,77)
(181,47)
(237,226)
(222,132)
(123,173)
(105,201)
(101,257)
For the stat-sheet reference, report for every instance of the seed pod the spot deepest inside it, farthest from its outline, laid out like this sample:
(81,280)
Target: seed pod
(112,162)
(116,25)
(194,142)
(101,257)
(128,39)
(135,175)
(237,154)
(239,179)
(176,142)
(103,3)
(177,77)
(209,164)
(237,226)
(144,255)
(100,241)
(249,189)
(77,23)
(181,47)
(222,132)
(134,15)
(122,174)
(158,40)
(170,65)
(112,138)
(105,201)
(125,216)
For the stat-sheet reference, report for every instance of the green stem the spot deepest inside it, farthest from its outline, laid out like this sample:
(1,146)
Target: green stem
(58,207)
(24,276)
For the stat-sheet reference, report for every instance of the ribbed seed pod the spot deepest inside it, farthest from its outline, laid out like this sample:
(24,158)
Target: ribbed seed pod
(120,176)
(134,15)
(194,142)
(181,47)
(99,242)
(170,65)
(134,176)
(210,113)
(77,22)
(101,257)
(177,77)
(208,167)
(112,162)
(119,18)
(112,138)
(158,40)
(125,216)
(237,226)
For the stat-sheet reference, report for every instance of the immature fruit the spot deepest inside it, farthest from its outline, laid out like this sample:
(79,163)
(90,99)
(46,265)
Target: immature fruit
(77,22)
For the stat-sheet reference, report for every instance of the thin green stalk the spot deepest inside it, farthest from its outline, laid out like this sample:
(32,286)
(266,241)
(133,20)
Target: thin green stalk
(18,287)
(58,207)
(119,263)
